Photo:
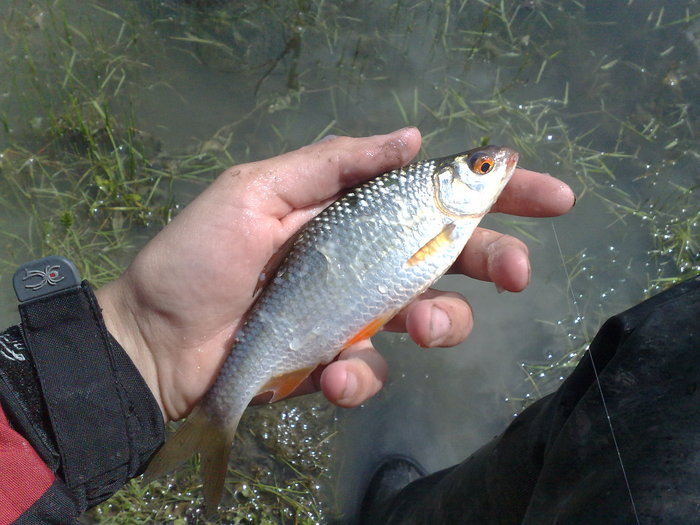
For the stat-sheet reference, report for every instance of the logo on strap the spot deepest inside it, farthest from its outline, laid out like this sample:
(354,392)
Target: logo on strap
(44,277)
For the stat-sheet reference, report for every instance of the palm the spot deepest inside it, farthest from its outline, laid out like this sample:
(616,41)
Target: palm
(204,288)
(178,306)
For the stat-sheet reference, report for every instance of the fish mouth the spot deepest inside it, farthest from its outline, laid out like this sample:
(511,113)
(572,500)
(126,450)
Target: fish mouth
(511,158)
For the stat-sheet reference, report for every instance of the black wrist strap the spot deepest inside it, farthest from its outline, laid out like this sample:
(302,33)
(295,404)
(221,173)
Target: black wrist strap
(104,419)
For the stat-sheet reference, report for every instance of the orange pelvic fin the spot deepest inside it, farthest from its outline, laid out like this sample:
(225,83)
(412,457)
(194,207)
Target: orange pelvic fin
(433,246)
(367,331)
(282,386)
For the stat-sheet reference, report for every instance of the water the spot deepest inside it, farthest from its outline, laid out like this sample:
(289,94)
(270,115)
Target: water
(604,97)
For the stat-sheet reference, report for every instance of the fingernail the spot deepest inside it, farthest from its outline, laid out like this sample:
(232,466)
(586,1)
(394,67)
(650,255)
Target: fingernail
(569,189)
(325,139)
(350,390)
(529,271)
(440,325)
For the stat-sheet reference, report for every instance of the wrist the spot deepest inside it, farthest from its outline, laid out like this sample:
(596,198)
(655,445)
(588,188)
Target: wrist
(120,318)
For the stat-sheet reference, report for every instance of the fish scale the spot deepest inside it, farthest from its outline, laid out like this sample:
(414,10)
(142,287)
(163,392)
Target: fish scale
(350,270)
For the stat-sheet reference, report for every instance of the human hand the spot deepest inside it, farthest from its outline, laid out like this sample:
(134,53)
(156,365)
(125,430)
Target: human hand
(179,304)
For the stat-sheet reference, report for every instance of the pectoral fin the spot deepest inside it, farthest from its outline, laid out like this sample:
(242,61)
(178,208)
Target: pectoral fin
(433,246)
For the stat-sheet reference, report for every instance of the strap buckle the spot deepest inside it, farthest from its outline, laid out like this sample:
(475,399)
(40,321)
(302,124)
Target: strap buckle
(44,277)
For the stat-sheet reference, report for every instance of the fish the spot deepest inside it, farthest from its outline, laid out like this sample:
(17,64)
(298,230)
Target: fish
(348,272)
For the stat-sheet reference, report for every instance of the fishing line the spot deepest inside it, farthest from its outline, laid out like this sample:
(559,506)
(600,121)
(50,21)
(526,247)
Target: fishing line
(597,379)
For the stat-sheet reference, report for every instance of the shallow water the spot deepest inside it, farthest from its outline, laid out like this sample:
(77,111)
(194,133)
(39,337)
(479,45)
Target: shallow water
(604,97)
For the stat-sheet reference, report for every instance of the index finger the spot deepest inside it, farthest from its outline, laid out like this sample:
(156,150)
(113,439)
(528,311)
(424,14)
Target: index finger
(314,173)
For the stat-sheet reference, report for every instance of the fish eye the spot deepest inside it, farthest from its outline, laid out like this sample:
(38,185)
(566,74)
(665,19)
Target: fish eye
(481,163)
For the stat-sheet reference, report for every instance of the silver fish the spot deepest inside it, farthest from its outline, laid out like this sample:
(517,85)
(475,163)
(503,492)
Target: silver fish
(349,271)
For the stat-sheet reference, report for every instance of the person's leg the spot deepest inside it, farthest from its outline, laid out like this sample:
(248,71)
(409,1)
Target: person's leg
(558,462)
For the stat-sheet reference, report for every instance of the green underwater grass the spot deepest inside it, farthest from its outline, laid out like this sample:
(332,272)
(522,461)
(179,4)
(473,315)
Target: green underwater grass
(80,177)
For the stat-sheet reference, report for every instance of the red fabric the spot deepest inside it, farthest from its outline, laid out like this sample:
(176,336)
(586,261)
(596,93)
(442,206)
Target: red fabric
(24,477)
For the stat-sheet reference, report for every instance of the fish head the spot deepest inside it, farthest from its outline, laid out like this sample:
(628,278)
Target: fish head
(467,184)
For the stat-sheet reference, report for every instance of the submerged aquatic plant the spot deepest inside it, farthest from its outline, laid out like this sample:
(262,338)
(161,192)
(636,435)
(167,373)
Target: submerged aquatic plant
(79,177)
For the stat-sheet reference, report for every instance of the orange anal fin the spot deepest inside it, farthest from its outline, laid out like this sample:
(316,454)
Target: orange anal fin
(282,386)
(433,246)
(367,331)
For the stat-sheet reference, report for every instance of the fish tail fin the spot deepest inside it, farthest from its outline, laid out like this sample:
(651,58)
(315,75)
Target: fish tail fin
(197,434)
(214,458)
